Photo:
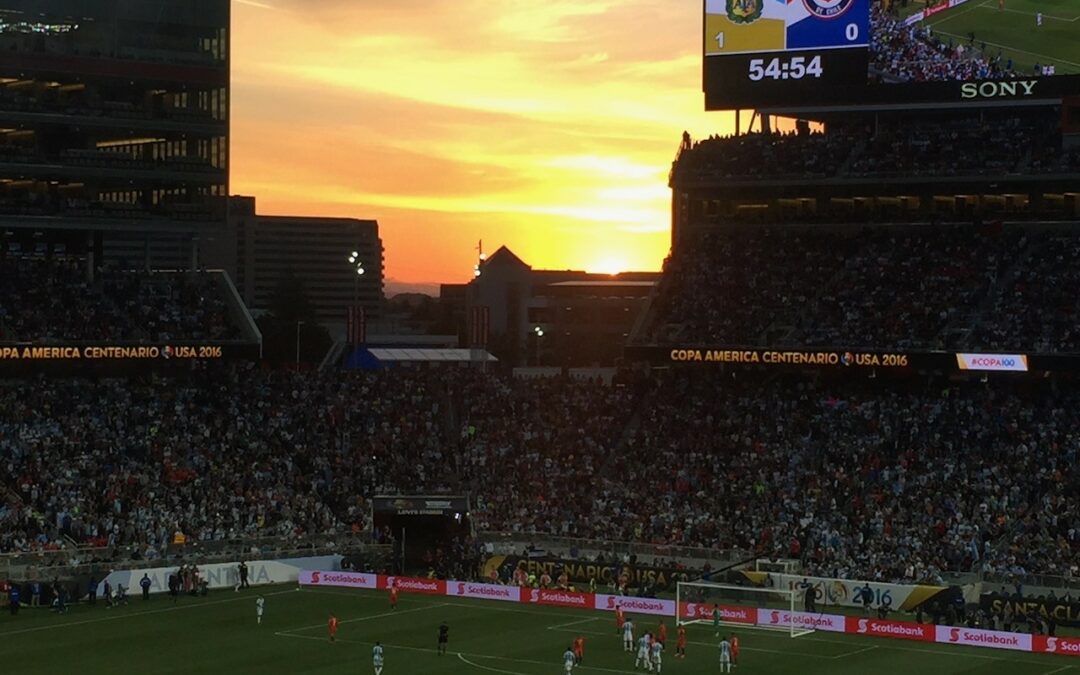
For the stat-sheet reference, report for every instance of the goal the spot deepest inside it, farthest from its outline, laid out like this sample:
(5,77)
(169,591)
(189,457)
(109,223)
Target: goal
(745,607)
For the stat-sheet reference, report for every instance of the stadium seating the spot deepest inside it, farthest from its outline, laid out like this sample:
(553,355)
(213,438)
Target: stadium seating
(916,287)
(873,479)
(52,301)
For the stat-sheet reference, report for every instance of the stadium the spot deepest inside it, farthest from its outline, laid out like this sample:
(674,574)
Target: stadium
(841,433)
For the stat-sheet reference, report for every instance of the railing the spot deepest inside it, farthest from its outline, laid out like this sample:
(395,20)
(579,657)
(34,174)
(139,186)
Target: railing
(83,560)
(516,541)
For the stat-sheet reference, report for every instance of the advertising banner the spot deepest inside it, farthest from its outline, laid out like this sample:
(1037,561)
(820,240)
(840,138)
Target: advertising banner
(901,630)
(342,579)
(1017,363)
(849,593)
(414,585)
(580,572)
(831,623)
(1056,645)
(993,639)
(1063,613)
(728,613)
(661,607)
(543,596)
(465,589)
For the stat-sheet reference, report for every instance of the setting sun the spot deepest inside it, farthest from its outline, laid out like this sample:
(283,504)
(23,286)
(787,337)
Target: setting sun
(608,265)
(554,138)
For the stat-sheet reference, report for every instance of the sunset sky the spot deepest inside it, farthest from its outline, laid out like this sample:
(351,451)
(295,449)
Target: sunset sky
(545,125)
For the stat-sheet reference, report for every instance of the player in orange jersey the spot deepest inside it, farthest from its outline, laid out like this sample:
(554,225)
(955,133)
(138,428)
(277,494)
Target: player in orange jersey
(331,627)
(680,643)
(620,619)
(579,650)
(393,595)
(662,633)
(734,649)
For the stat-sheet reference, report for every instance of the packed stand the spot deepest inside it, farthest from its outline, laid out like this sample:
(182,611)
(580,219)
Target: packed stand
(759,155)
(923,287)
(54,301)
(857,480)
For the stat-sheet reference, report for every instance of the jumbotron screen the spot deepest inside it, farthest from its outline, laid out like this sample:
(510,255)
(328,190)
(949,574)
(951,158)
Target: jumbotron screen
(812,53)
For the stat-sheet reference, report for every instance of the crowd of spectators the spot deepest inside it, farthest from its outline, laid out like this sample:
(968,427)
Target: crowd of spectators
(967,287)
(912,53)
(961,145)
(859,479)
(47,300)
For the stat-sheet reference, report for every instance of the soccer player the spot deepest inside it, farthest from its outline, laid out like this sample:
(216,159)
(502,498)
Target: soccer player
(628,636)
(680,643)
(656,662)
(1038,19)
(643,652)
(579,650)
(568,660)
(734,649)
(444,637)
(377,658)
(725,656)
(260,604)
(716,619)
(331,627)
(620,619)
(393,595)
(662,632)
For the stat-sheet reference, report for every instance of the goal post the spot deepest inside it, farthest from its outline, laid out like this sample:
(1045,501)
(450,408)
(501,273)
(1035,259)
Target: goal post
(746,607)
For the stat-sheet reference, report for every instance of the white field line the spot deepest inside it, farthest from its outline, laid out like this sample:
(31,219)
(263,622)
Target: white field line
(857,651)
(373,616)
(573,623)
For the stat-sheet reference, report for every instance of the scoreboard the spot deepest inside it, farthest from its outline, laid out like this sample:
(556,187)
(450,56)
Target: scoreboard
(792,54)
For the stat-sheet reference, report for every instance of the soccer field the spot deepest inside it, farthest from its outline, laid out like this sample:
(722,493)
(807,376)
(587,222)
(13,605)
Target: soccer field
(219,634)
(1013,30)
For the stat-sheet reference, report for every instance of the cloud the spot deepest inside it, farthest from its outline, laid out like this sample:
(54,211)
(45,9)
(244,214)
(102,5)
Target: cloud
(536,123)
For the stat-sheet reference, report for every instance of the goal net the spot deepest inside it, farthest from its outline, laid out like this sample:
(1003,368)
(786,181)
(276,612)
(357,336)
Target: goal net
(747,607)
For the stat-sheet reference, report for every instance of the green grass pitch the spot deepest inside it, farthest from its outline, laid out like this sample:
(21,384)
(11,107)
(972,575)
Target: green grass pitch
(218,634)
(1014,32)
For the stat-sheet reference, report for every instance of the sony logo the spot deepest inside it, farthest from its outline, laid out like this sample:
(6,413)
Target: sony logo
(997,89)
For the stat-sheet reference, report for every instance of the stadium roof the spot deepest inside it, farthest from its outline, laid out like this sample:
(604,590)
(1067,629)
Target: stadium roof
(430,355)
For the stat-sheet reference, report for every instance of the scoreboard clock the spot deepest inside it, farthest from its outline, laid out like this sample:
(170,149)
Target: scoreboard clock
(788,55)
(762,50)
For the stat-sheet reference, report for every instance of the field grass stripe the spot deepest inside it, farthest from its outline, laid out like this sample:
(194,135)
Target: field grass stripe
(128,615)
(1058,670)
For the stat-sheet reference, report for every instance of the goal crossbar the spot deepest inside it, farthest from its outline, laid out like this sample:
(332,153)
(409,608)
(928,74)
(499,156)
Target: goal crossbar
(745,607)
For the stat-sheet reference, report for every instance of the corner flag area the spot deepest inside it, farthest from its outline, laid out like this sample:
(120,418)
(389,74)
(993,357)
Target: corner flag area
(1011,28)
(219,634)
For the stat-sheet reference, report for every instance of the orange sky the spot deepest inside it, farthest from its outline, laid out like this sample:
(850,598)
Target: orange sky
(545,125)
